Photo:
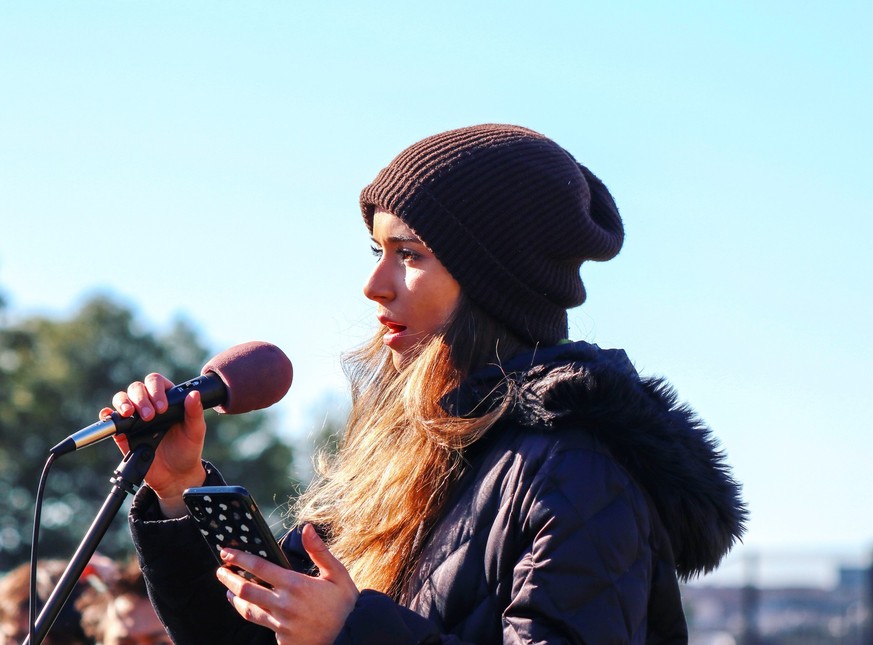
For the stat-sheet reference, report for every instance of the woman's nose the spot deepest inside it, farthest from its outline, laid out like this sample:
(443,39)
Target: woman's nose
(378,285)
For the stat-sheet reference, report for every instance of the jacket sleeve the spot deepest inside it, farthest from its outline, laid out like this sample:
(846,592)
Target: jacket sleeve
(179,571)
(377,620)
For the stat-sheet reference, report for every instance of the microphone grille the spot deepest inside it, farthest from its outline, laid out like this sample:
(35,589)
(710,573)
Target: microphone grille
(257,375)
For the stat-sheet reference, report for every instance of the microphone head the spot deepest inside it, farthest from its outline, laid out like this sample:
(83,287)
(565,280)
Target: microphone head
(257,375)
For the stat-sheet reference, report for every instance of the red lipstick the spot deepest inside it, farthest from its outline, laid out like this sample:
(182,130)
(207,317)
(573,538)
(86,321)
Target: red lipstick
(395,330)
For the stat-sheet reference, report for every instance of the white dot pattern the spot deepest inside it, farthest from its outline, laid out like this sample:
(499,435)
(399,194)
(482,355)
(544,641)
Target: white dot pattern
(230,525)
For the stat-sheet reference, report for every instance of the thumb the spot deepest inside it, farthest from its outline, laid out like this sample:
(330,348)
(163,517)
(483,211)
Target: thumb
(327,564)
(120,439)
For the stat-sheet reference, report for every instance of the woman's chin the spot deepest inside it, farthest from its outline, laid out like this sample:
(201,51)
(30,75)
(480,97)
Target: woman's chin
(399,359)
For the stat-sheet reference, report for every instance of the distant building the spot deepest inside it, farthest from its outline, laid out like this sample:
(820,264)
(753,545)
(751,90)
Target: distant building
(773,616)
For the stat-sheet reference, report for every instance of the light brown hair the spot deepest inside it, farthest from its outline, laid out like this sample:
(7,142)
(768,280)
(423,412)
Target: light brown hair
(381,492)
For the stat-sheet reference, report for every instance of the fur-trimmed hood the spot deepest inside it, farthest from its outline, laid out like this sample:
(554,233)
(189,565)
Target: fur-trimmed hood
(661,442)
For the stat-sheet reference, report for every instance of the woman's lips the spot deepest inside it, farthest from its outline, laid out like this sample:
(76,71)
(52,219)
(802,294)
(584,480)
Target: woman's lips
(395,330)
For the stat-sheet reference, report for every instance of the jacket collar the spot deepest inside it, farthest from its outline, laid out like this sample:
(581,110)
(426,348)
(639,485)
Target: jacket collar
(662,443)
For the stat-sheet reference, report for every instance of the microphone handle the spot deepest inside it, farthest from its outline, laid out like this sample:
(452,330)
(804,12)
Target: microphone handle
(212,390)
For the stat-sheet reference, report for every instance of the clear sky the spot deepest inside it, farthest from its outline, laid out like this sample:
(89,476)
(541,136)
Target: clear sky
(203,160)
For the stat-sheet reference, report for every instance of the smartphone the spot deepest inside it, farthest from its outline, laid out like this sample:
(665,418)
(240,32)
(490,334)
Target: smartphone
(227,516)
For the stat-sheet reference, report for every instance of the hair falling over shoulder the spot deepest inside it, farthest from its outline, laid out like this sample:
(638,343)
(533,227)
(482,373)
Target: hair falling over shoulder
(380,494)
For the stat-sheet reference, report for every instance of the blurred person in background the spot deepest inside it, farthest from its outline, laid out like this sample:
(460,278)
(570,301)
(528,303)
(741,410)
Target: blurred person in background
(119,612)
(15,604)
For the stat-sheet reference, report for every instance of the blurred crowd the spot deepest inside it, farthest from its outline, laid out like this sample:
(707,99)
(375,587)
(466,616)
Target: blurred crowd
(109,605)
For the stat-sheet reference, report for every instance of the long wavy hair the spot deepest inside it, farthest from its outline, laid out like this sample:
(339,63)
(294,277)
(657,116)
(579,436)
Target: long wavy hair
(381,492)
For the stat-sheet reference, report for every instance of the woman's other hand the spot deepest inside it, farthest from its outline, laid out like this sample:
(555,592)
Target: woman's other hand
(300,609)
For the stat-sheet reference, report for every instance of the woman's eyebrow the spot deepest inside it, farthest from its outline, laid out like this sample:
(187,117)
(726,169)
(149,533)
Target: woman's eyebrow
(400,239)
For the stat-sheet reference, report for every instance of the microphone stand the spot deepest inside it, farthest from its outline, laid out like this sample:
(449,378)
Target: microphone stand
(126,479)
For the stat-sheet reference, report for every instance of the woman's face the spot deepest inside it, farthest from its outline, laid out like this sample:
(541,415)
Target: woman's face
(415,293)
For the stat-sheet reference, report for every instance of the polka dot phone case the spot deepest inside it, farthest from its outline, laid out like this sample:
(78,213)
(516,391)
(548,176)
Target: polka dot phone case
(227,516)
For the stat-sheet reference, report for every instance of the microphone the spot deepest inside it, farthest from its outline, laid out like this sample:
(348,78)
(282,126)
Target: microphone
(246,377)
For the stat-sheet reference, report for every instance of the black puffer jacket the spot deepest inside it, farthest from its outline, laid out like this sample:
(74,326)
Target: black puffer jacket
(570,524)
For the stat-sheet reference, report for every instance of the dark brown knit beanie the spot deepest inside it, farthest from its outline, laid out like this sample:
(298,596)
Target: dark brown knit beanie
(510,214)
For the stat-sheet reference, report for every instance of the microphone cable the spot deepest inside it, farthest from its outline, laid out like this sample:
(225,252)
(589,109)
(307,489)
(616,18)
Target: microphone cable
(34,550)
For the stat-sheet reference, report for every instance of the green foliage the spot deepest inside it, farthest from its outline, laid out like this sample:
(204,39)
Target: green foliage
(55,375)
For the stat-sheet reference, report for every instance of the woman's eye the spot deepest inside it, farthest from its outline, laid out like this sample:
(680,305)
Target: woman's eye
(377,252)
(406,254)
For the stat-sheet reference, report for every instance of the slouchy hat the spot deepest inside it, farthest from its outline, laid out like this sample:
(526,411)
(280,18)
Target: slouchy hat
(510,214)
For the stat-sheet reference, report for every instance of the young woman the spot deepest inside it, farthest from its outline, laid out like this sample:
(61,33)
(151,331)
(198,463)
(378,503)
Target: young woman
(497,483)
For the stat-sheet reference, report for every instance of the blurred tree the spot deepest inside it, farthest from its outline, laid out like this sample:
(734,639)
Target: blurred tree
(55,375)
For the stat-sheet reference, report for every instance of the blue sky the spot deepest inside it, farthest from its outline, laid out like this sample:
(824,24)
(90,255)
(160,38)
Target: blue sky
(203,160)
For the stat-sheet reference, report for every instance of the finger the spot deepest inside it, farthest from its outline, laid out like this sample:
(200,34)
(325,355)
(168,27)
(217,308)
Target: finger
(125,409)
(157,386)
(245,601)
(253,613)
(121,442)
(138,395)
(121,402)
(330,568)
(241,586)
(195,422)
(252,600)
(263,569)
(193,407)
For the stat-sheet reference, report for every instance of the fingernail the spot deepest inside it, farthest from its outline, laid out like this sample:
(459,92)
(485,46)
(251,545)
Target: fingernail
(126,408)
(161,406)
(147,412)
(224,555)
